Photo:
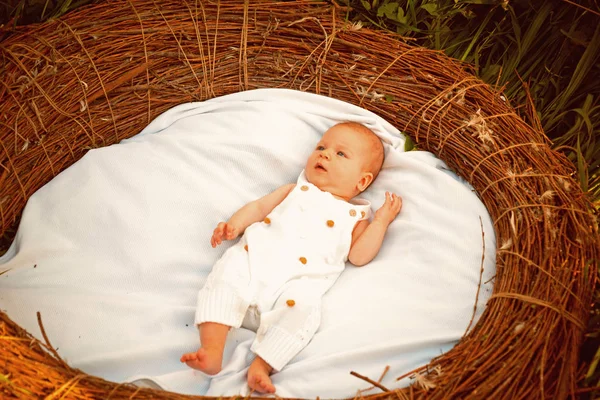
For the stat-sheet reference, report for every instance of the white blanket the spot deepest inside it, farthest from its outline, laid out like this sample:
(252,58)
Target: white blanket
(113,251)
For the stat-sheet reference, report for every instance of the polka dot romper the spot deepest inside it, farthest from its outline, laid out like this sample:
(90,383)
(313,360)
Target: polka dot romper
(273,279)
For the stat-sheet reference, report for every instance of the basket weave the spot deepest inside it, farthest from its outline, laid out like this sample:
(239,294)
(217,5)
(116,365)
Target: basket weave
(102,73)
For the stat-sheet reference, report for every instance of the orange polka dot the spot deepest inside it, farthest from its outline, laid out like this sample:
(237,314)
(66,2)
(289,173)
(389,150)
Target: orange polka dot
(246,247)
(302,260)
(362,214)
(330,223)
(267,220)
(304,188)
(290,303)
(353,213)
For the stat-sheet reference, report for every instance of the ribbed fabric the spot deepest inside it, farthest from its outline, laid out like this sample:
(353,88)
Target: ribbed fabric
(278,347)
(221,304)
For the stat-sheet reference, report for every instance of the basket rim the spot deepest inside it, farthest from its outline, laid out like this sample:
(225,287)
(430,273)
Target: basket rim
(546,227)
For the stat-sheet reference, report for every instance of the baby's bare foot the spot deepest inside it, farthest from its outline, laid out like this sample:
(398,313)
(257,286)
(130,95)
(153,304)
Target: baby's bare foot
(258,376)
(204,360)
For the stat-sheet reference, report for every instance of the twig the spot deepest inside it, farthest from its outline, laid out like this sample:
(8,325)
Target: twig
(587,390)
(48,344)
(480,275)
(371,381)
(582,7)
(385,371)
(421,368)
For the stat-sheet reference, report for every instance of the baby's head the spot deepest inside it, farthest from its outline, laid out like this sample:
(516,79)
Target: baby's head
(346,160)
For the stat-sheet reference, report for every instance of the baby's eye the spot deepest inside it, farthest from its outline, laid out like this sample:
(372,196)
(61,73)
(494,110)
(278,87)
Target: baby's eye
(341,154)
(320,148)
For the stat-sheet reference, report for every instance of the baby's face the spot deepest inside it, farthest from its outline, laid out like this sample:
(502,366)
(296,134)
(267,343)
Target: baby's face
(339,162)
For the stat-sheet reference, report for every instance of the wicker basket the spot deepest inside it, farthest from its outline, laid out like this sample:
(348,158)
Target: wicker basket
(102,73)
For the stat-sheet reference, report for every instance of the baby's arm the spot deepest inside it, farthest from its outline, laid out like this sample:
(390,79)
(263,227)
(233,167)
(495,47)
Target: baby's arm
(252,212)
(368,237)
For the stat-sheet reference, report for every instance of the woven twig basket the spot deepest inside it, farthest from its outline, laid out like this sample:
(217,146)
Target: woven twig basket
(102,73)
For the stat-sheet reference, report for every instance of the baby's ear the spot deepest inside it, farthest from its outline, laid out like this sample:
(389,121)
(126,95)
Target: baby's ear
(365,181)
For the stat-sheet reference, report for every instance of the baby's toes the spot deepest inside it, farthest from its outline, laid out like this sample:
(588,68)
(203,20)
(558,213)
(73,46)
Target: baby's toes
(267,386)
(189,357)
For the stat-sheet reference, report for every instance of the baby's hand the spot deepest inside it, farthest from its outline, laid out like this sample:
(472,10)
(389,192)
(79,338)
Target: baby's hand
(389,209)
(223,231)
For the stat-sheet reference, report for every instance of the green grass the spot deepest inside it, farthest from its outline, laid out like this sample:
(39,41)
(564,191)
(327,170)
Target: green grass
(22,12)
(552,46)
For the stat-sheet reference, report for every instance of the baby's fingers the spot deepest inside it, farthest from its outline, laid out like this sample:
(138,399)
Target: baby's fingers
(388,199)
(397,203)
(220,228)
(230,232)
(213,240)
(217,234)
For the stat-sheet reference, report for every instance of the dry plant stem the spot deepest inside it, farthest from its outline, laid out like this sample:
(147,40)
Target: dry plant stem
(371,381)
(385,371)
(480,275)
(587,390)
(48,344)
(582,7)
(74,84)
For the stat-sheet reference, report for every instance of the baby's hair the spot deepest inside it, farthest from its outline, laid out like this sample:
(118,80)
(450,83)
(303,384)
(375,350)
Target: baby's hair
(375,146)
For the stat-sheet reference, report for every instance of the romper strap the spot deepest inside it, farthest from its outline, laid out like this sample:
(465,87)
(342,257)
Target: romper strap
(360,208)
(357,208)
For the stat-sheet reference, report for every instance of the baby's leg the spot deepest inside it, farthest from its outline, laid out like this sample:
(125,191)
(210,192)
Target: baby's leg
(258,376)
(209,357)
(285,330)
(222,304)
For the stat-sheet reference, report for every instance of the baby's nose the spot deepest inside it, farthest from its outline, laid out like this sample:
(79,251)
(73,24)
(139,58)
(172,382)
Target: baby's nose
(326,154)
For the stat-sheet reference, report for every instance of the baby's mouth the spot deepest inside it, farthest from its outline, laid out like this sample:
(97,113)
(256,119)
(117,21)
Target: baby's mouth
(320,167)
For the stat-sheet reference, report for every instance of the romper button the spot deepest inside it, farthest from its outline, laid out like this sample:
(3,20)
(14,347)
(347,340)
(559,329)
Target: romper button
(353,213)
(304,188)
(267,220)
(290,303)
(330,223)
(302,260)
(246,247)
(362,214)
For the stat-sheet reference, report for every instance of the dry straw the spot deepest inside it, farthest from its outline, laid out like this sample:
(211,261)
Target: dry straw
(102,73)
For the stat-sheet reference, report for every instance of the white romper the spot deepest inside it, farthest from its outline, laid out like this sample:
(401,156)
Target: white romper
(280,269)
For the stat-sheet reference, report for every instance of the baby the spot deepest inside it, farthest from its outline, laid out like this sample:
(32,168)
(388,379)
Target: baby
(295,244)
